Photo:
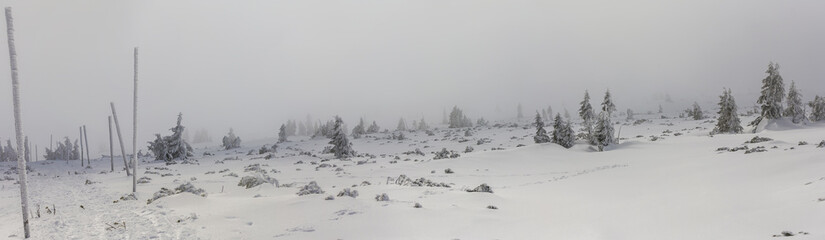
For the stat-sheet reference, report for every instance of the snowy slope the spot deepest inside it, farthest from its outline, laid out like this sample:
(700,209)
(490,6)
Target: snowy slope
(677,187)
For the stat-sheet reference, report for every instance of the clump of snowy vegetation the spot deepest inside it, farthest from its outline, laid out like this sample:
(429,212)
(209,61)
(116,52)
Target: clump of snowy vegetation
(444,153)
(172,147)
(382,197)
(403,180)
(231,141)
(348,192)
(481,188)
(254,181)
(186,187)
(311,188)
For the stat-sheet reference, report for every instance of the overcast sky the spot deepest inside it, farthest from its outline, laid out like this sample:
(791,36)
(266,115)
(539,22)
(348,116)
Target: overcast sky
(251,65)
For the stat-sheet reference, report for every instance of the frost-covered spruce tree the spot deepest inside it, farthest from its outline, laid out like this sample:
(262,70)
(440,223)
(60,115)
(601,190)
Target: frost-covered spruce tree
(817,109)
(603,131)
(341,146)
(696,112)
(359,130)
(374,128)
(458,120)
(422,125)
(402,125)
(773,91)
(231,141)
(607,104)
(563,133)
(629,114)
(541,134)
(169,148)
(796,109)
(660,108)
(520,112)
(282,135)
(587,115)
(728,121)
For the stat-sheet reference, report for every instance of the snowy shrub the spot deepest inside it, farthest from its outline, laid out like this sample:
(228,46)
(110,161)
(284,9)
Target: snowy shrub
(416,152)
(349,193)
(469,149)
(311,188)
(403,180)
(231,141)
(144,180)
(756,150)
(481,188)
(382,197)
(758,139)
(329,198)
(172,147)
(128,197)
(164,192)
(417,205)
(188,187)
(458,120)
(448,171)
(821,144)
(803,143)
(492,207)
(254,181)
(445,154)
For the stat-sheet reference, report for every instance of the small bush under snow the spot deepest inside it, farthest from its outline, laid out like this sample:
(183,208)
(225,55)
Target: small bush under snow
(311,188)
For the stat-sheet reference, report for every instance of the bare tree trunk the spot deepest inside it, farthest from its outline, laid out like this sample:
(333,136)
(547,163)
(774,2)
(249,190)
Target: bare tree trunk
(120,139)
(111,147)
(18,124)
(80,129)
(36,155)
(88,156)
(134,127)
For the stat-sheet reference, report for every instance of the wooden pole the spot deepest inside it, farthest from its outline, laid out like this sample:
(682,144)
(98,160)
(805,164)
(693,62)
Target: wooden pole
(88,156)
(111,146)
(18,123)
(81,145)
(134,127)
(120,139)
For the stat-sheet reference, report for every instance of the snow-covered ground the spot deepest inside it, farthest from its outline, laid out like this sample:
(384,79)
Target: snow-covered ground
(676,187)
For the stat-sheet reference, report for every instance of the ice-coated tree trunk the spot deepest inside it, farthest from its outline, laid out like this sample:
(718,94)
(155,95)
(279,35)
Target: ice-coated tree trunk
(88,156)
(134,127)
(120,139)
(80,129)
(111,147)
(18,124)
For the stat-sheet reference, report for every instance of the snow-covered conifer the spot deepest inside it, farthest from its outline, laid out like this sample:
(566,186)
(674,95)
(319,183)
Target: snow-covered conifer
(796,109)
(728,121)
(629,114)
(231,141)
(541,134)
(169,148)
(817,109)
(422,125)
(282,135)
(402,125)
(563,133)
(374,128)
(696,112)
(359,130)
(603,131)
(607,104)
(587,115)
(773,91)
(341,146)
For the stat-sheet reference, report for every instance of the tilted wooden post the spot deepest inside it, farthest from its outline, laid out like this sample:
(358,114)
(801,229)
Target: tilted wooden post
(120,139)
(111,147)
(18,124)
(80,129)
(88,156)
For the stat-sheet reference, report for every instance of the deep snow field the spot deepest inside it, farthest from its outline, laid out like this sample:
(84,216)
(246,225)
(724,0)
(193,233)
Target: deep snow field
(676,187)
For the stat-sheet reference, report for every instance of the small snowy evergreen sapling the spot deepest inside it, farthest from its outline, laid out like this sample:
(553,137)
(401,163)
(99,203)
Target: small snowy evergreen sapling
(796,109)
(359,130)
(402,125)
(341,146)
(607,104)
(282,134)
(696,112)
(374,128)
(603,131)
(231,141)
(169,148)
(728,121)
(541,134)
(817,109)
